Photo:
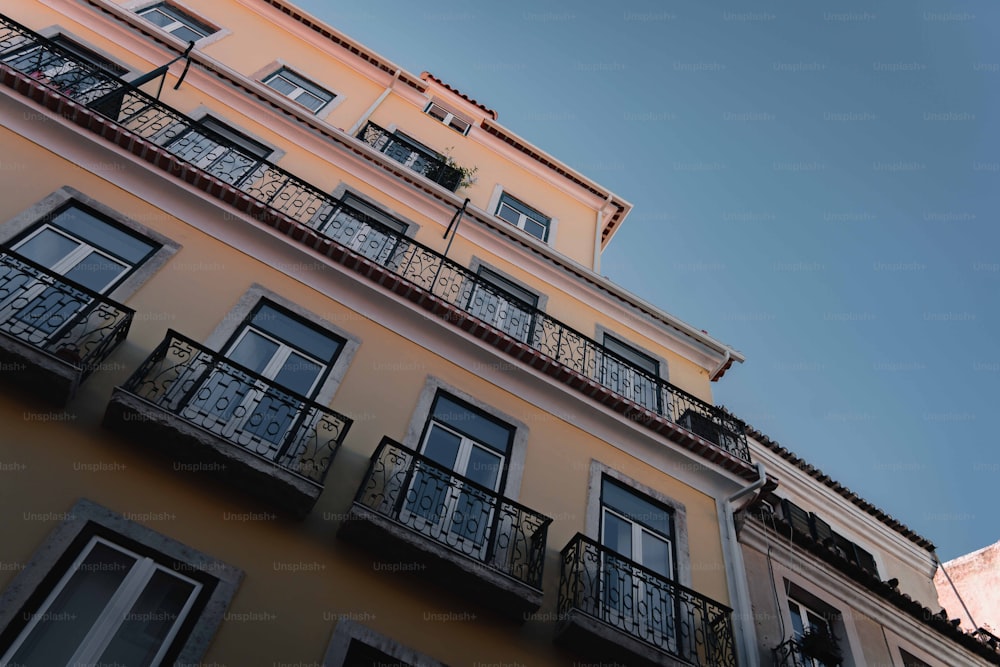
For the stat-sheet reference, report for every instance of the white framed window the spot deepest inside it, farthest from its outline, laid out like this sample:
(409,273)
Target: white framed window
(523,217)
(448,117)
(299,89)
(362,227)
(465,444)
(637,385)
(813,633)
(112,606)
(83,247)
(103,590)
(641,531)
(219,149)
(504,304)
(277,359)
(177,22)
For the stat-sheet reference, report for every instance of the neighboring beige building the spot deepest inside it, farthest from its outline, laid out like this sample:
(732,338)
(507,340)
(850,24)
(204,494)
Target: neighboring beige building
(821,560)
(308,361)
(977,577)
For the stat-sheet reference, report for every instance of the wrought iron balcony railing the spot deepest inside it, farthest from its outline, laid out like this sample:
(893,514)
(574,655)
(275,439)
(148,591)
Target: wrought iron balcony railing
(791,654)
(420,266)
(408,153)
(454,511)
(230,401)
(644,605)
(58,316)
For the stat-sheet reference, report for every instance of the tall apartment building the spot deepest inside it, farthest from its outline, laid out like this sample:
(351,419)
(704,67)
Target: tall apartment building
(307,360)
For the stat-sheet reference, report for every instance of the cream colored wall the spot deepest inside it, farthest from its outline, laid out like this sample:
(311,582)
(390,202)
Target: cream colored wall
(192,293)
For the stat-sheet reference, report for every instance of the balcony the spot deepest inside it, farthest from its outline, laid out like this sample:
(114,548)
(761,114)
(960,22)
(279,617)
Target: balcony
(154,131)
(409,153)
(614,608)
(212,415)
(53,332)
(466,536)
(798,653)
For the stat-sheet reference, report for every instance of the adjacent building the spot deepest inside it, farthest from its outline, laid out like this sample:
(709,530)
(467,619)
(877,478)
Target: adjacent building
(835,580)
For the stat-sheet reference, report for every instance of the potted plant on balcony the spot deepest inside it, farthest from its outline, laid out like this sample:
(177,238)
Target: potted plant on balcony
(821,646)
(468,174)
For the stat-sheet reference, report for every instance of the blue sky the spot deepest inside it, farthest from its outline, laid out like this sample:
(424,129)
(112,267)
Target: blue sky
(815,185)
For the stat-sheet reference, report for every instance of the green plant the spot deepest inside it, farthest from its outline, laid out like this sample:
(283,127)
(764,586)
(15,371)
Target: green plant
(468,174)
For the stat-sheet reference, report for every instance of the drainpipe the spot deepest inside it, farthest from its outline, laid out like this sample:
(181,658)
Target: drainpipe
(725,360)
(602,213)
(368,113)
(746,639)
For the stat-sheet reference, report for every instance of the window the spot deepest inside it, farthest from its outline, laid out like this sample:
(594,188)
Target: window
(103,590)
(641,531)
(910,660)
(504,304)
(69,68)
(813,634)
(355,223)
(447,117)
(523,217)
(294,87)
(466,445)
(277,359)
(125,609)
(354,645)
(83,247)
(631,373)
(178,23)
(220,150)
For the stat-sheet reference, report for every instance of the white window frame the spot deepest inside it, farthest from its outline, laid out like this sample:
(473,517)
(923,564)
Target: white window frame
(290,76)
(498,319)
(543,220)
(449,118)
(115,613)
(178,21)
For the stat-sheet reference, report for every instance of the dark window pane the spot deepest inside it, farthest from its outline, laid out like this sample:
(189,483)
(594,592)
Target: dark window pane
(636,508)
(472,423)
(103,235)
(297,334)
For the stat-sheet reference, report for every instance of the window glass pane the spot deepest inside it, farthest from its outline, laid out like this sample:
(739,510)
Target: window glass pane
(159,18)
(243,142)
(281,84)
(75,609)
(149,622)
(484,467)
(442,446)
(617,534)
(634,507)
(628,352)
(297,334)
(373,213)
(298,374)
(47,247)
(100,234)
(187,34)
(656,553)
(535,229)
(509,214)
(96,271)
(797,627)
(509,287)
(309,100)
(253,351)
(473,424)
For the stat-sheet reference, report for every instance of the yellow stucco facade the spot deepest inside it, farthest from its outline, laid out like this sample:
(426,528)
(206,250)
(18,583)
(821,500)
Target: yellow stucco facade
(299,579)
